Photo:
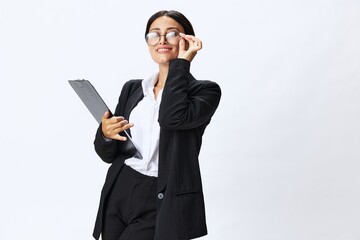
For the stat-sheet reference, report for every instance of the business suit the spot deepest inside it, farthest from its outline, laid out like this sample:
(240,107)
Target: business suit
(186,108)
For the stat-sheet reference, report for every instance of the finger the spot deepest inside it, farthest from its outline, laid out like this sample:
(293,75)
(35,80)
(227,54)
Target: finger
(120,124)
(112,128)
(199,44)
(194,42)
(182,45)
(115,120)
(190,37)
(105,115)
(118,137)
(117,128)
(123,127)
(114,134)
(108,127)
(186,38)
(105,118)
(111,121)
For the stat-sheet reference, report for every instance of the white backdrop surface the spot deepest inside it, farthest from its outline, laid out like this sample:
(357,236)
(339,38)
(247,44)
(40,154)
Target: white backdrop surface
(280,160)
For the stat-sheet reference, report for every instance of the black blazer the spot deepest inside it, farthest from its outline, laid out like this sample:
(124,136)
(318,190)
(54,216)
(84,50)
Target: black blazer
(186,108)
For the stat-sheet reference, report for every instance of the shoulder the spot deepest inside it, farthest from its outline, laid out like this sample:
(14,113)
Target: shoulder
(131,86)
(207,83)
(133,83)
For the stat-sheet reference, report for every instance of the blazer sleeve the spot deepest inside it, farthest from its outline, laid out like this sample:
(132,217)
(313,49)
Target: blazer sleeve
(108,151)
(186,103)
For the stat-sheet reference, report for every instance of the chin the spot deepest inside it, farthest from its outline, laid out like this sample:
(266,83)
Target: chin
(163,60)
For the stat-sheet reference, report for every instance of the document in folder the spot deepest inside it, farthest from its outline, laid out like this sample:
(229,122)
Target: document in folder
(96,105)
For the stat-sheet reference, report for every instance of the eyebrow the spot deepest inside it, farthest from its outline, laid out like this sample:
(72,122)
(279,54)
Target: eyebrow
(169,28)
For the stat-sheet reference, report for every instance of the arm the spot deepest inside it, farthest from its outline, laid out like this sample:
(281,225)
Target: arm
(106,150)
(108,143)
(186,103)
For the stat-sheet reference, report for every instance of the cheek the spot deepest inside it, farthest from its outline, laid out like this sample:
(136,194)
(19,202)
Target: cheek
(152,52)
(176,51)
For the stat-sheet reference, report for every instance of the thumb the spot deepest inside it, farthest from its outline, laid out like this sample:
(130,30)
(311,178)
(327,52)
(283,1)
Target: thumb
(182,45)
(106,115)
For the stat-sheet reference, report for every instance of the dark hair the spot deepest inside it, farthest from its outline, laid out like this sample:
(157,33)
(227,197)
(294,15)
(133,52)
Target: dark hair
(177,16)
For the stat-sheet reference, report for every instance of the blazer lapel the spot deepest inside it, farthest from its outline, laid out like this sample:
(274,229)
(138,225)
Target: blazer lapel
(134,99)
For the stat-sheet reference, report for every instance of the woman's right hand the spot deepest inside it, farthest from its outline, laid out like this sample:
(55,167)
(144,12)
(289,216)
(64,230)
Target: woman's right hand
(189,46)
(111,127)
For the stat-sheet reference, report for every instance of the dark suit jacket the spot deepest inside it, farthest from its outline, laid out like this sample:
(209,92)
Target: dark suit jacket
(186,108)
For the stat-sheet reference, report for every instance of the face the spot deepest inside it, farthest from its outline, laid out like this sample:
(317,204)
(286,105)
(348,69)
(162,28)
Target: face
(168,47)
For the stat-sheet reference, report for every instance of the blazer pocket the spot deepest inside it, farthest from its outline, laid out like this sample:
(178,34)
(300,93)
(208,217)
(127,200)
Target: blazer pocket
(186,194)
(191,213)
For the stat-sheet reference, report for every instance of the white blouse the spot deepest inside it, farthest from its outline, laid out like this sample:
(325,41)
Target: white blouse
(146,130)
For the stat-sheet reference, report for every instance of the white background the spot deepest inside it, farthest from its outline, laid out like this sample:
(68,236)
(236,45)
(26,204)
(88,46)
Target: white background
(280,160)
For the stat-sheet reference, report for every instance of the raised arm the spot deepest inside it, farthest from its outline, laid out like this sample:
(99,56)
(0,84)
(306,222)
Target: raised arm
(186,102)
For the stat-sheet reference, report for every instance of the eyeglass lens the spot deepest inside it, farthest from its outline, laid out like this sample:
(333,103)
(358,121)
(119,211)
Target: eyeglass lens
(153,38)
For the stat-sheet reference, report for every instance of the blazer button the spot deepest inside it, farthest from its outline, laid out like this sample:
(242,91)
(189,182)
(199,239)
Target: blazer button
(160,196)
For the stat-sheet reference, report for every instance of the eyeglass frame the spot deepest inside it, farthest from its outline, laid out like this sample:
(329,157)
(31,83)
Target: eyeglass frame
(164,35)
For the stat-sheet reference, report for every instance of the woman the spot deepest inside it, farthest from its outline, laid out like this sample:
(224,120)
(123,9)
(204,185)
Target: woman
(159,196)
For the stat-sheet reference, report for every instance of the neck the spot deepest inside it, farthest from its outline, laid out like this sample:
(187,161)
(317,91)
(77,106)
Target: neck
(163,72)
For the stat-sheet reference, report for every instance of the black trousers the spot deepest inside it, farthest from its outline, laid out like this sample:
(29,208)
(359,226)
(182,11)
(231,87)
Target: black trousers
(130,212)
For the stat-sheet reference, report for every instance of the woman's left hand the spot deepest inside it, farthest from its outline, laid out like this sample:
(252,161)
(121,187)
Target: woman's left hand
(189,46)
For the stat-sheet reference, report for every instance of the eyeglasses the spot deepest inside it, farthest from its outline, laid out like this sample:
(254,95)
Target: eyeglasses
(153,38)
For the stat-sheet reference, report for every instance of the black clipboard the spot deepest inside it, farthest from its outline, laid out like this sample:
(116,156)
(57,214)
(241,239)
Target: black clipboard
(97,107)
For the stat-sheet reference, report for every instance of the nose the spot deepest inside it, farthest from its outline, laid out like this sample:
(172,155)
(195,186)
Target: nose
(162,39)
